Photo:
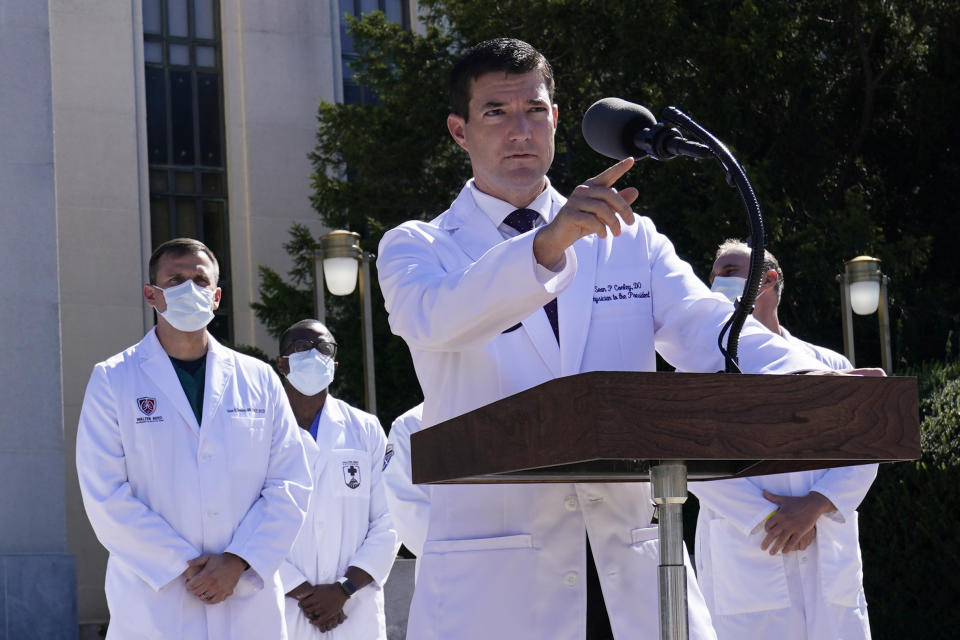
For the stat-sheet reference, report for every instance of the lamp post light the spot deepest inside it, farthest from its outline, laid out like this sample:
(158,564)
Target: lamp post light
(338,263)
(863,290)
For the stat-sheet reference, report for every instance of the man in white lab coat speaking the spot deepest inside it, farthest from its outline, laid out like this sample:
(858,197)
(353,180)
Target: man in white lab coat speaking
(333,576)
(510,287)
(778,556)
(192,470)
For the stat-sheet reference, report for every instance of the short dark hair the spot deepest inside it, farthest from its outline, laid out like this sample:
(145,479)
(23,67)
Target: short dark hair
(180,247)
(309,322)
(508,55)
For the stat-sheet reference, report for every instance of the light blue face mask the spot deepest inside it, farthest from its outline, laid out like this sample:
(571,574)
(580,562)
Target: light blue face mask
(730,286)
(310,372)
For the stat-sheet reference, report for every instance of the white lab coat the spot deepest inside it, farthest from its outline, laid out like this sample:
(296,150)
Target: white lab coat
(409,503)
(828,357)
(509,560)
(815,594)
(345,525)
(160,490)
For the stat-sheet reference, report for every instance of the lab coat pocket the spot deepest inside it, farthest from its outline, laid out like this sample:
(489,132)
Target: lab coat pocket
(351,470)
(155,614)
(502,568)
(841,567)
(521,541)
(249,443)
(646,542)
(745,577)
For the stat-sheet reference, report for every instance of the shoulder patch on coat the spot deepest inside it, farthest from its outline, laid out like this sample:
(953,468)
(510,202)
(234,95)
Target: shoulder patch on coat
(387,454)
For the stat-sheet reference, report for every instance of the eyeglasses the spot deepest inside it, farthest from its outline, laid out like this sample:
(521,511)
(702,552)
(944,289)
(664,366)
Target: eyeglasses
(328,349)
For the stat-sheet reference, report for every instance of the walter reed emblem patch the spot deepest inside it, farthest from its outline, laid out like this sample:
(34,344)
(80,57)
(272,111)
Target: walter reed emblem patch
(351,474)
(147,405)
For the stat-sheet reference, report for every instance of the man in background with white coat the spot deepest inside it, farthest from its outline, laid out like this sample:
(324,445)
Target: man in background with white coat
(334,574)
(515,285)
(779,556)
(192,470)
(409,503)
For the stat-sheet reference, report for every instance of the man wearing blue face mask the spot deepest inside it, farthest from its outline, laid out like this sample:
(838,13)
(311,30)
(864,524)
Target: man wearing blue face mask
(192,469)
(778,556)
(334,573)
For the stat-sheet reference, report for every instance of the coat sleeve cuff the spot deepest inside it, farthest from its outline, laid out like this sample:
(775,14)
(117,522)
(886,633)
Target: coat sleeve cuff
(161,580)
(290,576)
(379,575)
(556,277)
(836,515)
(251,580)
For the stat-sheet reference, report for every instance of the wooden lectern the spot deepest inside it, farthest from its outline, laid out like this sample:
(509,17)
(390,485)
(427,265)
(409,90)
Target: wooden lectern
(663,427)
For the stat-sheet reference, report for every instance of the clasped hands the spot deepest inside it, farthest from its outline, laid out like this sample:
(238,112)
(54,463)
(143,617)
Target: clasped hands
(322,604)
(212,577)
(793,526)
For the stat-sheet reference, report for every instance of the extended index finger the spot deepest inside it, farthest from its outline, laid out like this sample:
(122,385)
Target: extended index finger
(611,174)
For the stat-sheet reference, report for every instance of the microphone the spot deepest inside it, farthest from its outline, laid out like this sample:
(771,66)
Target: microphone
(617,129)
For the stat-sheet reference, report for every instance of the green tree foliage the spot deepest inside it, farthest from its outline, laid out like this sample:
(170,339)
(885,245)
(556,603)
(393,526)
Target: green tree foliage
(909,520)
(821,102)
(284,303)
(840,110)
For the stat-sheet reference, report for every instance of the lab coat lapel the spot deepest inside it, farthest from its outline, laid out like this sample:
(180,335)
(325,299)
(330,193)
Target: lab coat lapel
(575,305)
(156,364)
(469,226)
(541,334)
(312,451)
(329,432)
(473,231)
(220,370)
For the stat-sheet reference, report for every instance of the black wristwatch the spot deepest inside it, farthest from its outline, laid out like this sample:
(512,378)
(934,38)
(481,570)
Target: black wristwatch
(347,585)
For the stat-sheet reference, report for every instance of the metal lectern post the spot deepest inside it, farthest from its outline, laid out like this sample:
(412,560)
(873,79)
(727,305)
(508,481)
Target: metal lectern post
(668,485)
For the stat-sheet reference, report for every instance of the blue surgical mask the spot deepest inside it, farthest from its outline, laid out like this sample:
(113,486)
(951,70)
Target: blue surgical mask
(730,286)
(189,306)
(310,373)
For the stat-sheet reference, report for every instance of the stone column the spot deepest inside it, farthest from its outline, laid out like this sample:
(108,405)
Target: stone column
(38,596)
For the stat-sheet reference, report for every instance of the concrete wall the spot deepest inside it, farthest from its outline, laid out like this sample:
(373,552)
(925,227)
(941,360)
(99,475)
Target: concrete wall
(97,70)
(37,579)
(278,64)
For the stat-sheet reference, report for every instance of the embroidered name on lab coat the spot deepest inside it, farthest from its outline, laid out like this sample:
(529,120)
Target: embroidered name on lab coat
(618,291)
(246,412)
(351,473)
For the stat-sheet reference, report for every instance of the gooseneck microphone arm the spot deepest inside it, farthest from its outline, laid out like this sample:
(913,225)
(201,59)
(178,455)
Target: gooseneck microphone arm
(617,129)
(736,174)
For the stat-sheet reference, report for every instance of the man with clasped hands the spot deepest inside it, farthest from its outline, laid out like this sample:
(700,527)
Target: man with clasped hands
(192,470)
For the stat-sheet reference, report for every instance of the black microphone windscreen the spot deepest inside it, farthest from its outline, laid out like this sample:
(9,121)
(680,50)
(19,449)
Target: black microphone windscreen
(609,127)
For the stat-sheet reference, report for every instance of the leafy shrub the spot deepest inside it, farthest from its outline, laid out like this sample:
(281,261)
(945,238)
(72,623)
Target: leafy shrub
(909,520)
